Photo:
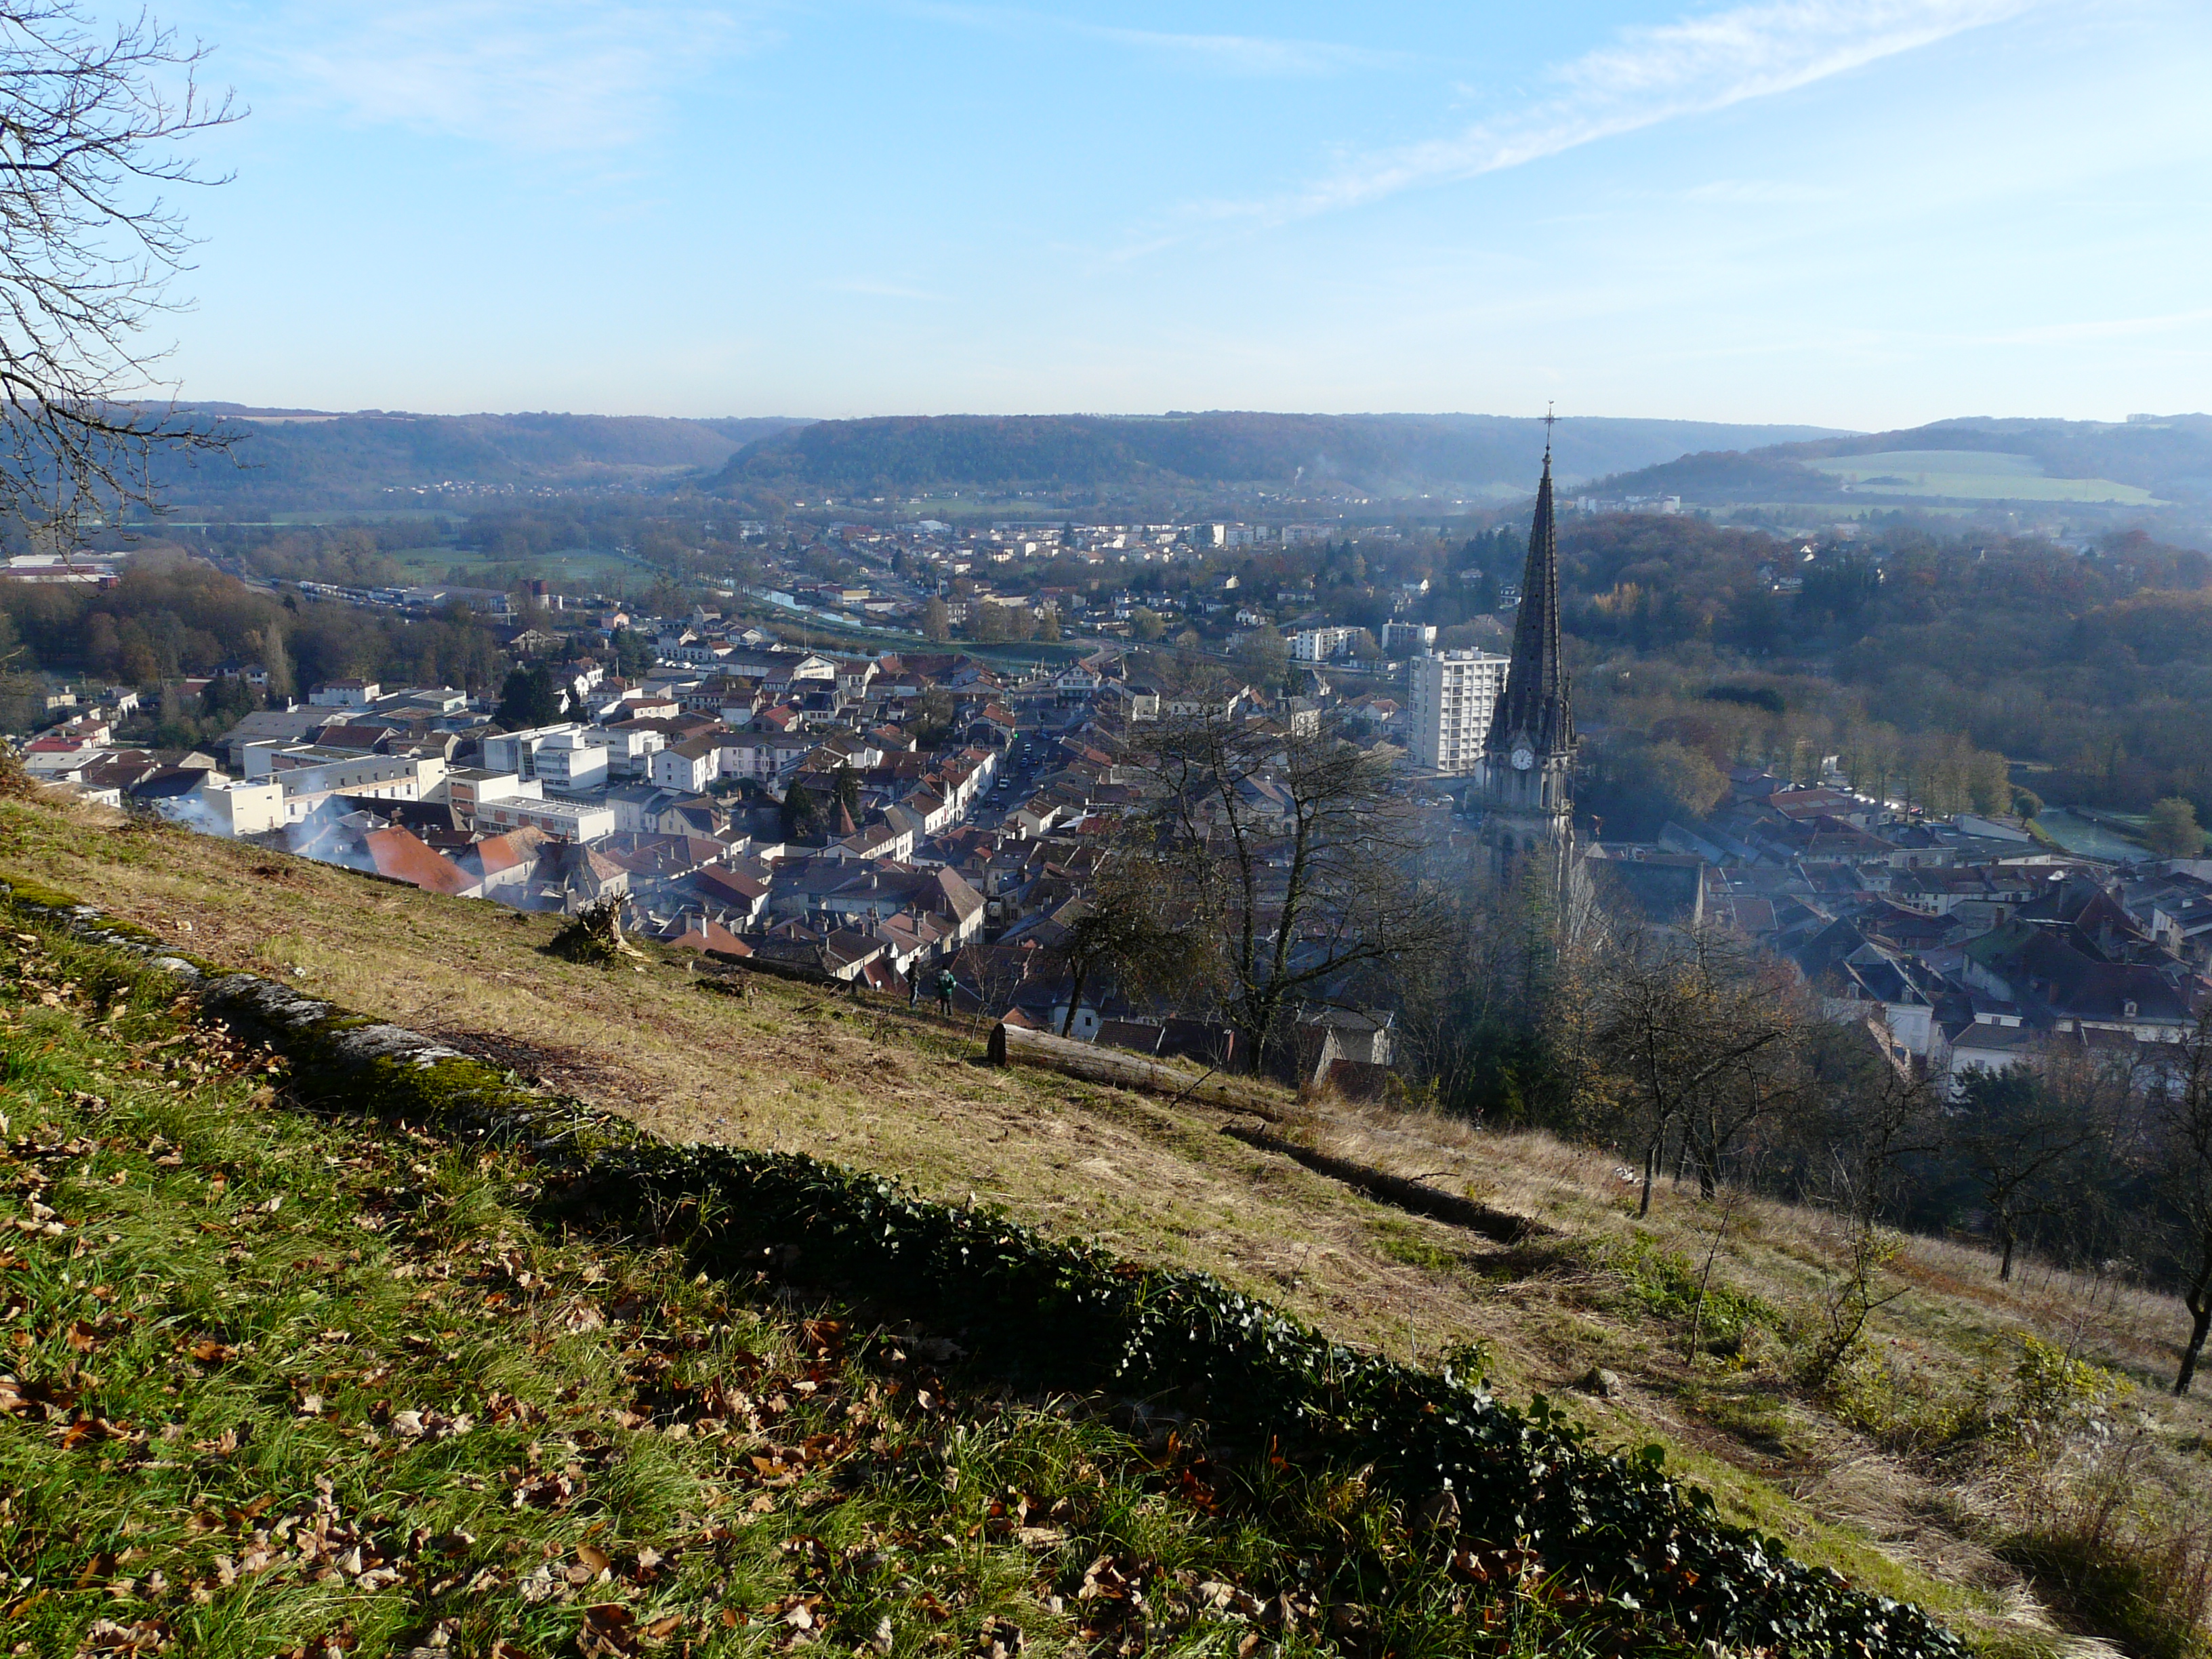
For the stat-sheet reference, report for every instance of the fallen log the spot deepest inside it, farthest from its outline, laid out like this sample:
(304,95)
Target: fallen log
(1499,1226)
(1018,1045)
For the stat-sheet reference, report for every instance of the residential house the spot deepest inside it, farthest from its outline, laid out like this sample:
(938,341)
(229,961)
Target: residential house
(689,766)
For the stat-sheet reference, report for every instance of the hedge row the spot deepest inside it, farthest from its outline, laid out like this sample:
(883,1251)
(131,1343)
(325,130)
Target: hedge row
(1072,1316)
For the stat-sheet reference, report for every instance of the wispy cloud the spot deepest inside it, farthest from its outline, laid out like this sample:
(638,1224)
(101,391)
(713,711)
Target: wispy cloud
(1647,75)
(556,75)
(1246,56)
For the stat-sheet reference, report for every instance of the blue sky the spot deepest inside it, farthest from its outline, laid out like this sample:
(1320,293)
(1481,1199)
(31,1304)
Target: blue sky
(1861,213)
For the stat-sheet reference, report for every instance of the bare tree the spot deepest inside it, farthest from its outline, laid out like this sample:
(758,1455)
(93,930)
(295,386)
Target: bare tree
(2185,1105)
(1758,1082)
(1119,931)
(91,120)
(1690,1033)
(2015,1137)
(1878,1118)
(1291,859)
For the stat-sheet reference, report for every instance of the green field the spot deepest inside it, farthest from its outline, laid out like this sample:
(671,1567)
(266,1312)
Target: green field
(431,564)
(1973,475)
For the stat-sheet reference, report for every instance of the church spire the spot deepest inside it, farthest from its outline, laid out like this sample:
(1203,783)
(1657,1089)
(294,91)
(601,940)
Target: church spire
(1536,711)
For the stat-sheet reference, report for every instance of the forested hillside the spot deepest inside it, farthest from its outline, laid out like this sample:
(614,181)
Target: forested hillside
(1383,455)
(2096,664)
(170,616)
(2170,458)
(307,459)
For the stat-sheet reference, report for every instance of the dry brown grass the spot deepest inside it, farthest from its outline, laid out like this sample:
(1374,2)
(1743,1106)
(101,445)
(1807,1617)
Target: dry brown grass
(787,1067)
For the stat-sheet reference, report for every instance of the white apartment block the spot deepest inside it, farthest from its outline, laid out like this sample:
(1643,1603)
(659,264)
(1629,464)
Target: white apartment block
(630,750)
(569,760)
(1320,644)
(1453,693)
(517,752)
(765,756)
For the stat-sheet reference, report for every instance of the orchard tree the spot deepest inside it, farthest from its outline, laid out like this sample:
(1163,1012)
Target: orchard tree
(2016,1137)
(1123,931)
(1696,1038)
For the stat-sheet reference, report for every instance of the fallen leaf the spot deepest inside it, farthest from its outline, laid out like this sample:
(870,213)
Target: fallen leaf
(606,1631)
(106,1636)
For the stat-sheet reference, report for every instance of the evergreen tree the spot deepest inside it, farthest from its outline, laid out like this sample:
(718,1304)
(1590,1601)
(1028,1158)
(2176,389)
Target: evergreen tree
(528,699)
(802,814)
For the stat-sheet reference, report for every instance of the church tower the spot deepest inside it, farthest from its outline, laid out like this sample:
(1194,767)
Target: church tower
(1526,787)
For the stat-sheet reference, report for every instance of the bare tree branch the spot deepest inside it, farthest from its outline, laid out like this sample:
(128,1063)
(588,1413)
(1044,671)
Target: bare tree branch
(91,125)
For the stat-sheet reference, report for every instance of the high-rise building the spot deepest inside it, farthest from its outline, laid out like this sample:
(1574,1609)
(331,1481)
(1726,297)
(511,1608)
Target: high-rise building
(1453,694)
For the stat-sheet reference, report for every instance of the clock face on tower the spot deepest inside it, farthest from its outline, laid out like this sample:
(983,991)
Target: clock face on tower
(1524,758)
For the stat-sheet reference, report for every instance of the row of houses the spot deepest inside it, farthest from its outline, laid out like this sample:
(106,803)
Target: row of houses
(1961,943)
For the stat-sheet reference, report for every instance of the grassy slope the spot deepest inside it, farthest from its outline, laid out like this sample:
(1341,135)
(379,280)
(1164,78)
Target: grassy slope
(787,1068)
(276,1385)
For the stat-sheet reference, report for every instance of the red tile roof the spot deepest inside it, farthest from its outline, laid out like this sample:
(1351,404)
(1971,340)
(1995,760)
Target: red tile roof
(402,855)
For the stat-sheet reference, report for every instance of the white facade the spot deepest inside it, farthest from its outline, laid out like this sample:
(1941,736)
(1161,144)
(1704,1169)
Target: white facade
(1453,693)
(763,755)
(1320,644)
(689,767)
(309,776)
(563,819)
(228,806)
(517,752)
(469,787)
(345,693)
(629,752)
(568,760)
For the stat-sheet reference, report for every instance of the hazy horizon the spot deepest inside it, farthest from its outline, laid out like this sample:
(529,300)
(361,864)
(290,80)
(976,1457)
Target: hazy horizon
(270,410)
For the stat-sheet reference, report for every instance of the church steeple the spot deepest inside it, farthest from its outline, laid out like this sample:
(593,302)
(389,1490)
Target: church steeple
(1536,712)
